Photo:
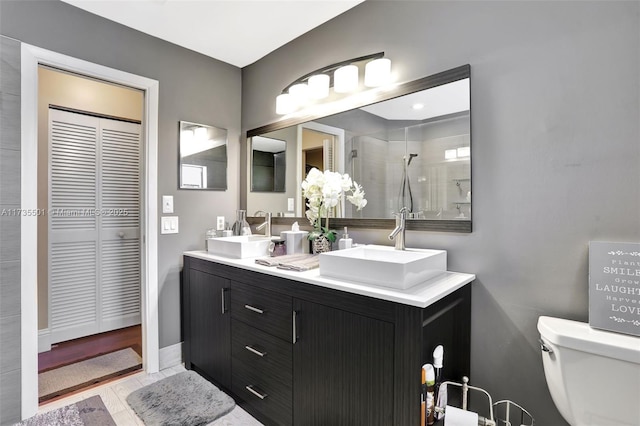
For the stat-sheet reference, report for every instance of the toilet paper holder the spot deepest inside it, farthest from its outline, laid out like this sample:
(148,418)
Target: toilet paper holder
(505,410)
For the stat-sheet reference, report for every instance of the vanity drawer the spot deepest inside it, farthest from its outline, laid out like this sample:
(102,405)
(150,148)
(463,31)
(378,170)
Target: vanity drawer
(273,398)
(262,352)
(263,309)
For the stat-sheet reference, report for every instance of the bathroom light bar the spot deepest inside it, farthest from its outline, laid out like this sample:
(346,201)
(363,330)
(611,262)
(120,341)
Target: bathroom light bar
(342,76)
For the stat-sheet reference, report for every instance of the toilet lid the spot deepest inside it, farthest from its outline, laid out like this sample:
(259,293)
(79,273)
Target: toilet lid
(580,336)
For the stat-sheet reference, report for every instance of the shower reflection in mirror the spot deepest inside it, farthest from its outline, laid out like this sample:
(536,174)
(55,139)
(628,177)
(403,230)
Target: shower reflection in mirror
(203,157)
(409,165)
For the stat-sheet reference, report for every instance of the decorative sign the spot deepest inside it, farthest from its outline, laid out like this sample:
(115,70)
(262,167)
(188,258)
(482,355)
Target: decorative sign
(614,286)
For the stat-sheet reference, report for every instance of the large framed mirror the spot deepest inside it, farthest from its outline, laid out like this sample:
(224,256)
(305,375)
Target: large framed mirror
(203,157)
(410,147)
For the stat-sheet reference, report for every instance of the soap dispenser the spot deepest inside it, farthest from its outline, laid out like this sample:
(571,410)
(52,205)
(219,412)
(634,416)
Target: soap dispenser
(345,242)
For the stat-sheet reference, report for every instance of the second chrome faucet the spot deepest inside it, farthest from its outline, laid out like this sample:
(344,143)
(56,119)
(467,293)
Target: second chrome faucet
(266,225)
(398,232)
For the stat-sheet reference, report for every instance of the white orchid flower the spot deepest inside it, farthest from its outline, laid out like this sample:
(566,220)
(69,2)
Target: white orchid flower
(324,190)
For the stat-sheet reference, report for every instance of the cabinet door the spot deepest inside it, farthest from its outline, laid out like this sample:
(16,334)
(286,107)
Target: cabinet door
(209,335)
(342,368)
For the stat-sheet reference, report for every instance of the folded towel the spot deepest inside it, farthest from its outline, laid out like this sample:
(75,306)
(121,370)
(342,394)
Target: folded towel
(275,261)
(310,262)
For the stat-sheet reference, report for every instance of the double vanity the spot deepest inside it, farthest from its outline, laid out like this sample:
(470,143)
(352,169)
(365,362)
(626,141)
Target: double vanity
(305,348)
(344,343)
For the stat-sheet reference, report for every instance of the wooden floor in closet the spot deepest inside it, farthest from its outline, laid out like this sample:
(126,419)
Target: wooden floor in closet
(65,353)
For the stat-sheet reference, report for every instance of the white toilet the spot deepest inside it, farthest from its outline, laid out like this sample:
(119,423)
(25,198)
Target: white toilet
(593,375)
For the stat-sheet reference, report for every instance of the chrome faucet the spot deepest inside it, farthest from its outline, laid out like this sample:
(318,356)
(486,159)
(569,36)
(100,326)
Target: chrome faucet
(398,232)
(266,225)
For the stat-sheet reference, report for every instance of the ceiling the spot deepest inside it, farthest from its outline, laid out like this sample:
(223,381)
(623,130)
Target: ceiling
(238,32)
(434,102)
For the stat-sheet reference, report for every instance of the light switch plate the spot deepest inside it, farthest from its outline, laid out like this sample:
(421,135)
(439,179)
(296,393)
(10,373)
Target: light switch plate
(167,204)
(169,225)
(290,204)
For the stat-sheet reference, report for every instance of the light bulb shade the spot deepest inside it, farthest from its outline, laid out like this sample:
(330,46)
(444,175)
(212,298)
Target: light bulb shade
(345,79)
(284,104)
(319,86)
(377,72)
(299,93)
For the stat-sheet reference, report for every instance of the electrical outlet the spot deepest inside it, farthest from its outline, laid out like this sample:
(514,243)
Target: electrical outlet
(220,223)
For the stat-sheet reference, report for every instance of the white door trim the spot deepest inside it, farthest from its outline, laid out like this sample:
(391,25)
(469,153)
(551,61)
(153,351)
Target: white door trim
(31,57)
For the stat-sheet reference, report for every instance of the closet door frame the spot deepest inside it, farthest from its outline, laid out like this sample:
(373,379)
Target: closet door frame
(31,58)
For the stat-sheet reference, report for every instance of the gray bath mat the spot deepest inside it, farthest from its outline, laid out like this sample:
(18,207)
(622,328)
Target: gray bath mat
(182,399)
(88,412)
(75,376)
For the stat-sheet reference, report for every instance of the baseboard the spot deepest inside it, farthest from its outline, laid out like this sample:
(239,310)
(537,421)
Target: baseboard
(44,340)
(170,356)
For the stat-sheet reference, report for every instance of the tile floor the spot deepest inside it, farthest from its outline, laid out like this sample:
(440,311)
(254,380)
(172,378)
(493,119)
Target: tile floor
(114,396)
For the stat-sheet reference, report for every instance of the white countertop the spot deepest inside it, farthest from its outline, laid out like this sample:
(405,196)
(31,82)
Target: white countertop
(420,295)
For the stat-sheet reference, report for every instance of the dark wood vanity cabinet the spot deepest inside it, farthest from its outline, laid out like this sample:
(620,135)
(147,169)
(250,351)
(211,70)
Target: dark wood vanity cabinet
(292,353)
(207,321)
(343,362)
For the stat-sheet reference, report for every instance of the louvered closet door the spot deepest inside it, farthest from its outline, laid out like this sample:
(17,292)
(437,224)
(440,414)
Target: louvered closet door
(94,225)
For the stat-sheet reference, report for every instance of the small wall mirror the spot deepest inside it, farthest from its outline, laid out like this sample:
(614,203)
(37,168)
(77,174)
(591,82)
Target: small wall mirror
(268,164)
(203,157)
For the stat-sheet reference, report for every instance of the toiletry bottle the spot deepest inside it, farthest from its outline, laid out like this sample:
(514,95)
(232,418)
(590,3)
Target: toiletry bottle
(438,353)
(440,392)
(345,242)
(241,226)
(430,402)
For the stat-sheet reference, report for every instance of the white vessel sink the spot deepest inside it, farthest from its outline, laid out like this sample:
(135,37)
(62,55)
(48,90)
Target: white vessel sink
(383,265)
(240,246)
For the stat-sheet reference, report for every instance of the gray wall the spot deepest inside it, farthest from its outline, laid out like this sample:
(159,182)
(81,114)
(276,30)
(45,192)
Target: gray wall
(555,146)
(193,87)
(10,371)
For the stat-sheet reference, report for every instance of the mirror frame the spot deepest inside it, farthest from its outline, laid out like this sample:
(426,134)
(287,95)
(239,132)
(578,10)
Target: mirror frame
(434,80)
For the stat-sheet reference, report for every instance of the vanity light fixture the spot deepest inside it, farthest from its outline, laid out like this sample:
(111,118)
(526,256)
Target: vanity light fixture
(377,72)
(319,86)
(343,76)
(285,104)
(345,79)
(299,93)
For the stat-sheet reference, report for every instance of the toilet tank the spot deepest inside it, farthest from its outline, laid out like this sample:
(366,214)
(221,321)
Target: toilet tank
(593,375)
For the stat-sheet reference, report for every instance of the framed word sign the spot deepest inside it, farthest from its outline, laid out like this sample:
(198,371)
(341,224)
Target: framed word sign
(614,286)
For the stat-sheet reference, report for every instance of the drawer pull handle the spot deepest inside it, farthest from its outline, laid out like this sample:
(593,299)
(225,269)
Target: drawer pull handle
(295,327)
(224,305)
(255,392)
(254,350)
(254,309)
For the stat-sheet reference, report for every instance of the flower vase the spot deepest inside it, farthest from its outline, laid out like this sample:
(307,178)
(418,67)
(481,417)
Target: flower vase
(321,244)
